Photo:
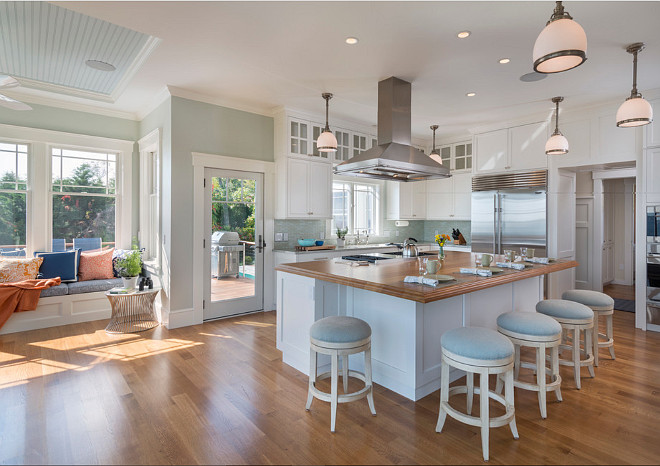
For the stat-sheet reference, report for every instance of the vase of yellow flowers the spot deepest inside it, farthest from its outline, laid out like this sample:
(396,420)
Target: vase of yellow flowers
(441,240)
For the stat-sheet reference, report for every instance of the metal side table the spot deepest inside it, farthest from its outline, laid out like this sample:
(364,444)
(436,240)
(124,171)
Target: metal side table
(132,312)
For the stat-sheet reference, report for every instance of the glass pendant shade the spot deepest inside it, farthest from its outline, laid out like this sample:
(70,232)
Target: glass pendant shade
(561,45)
(556,145)
(327,142)
(634,112)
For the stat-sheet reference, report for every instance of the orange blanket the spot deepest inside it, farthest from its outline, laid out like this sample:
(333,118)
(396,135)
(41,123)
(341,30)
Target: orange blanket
(22,296)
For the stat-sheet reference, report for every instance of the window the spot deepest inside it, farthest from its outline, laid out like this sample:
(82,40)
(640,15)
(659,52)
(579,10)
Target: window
(13,197)
(355,207)
(150,182)
(84,188)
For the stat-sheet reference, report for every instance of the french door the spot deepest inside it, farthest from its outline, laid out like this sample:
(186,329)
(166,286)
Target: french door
(234,245)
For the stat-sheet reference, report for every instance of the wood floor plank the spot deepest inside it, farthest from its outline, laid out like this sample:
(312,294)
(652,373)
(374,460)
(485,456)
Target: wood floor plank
(220,393)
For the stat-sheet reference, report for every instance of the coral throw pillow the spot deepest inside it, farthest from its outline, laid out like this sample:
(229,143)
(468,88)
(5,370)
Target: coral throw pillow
(16,270)
(96,265)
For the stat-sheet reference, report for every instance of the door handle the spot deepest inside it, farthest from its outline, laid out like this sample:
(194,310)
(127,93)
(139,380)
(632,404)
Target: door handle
(261,244)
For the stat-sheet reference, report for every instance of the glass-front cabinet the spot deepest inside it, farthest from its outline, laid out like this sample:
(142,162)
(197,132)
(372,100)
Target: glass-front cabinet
(359,143)
(457,156)
(343,146)
(302,139)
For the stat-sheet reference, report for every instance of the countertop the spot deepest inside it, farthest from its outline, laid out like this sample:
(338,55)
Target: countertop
(387,276)
(448,247)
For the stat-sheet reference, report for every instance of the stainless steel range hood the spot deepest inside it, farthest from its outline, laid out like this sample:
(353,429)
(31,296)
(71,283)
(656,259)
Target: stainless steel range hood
(394,158)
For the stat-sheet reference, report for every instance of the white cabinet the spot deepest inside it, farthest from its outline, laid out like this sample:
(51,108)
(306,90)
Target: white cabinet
(343,146)
(492,151)
(307,186)
(527,146)
(450,198)
(652,171)
(302,136)
(359,143)
(457,156)
(653,129)
(517,148)
(406,200)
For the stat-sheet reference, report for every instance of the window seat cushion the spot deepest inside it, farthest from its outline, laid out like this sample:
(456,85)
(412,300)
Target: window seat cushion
(59,290)
(91,286)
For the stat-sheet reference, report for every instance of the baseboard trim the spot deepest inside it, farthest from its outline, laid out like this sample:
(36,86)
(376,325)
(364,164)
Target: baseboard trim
(180,318)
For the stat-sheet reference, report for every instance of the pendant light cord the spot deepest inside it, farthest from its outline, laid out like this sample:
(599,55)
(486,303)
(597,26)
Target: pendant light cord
(557,117)
(634,92)
(327,98)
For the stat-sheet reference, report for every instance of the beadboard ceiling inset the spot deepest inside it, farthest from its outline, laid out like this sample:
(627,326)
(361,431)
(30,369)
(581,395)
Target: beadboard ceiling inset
(45,46)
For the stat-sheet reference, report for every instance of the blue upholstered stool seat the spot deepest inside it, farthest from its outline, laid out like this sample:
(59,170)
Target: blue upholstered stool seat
(562,309)
(340,329)
(589,298)
(477,343)
(529,323)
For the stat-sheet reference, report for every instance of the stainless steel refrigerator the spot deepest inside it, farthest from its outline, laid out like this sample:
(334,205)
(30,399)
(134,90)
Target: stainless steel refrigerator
(509,212)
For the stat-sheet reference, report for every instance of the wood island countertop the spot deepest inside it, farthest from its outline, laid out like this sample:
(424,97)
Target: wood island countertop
(386,276)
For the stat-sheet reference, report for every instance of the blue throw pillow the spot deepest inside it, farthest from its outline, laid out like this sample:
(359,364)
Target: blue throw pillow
(60,264)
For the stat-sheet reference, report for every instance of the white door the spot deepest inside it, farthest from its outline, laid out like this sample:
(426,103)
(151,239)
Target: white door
(234,274)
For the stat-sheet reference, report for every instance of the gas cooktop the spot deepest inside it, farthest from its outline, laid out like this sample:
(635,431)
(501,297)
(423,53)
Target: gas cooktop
(366,257)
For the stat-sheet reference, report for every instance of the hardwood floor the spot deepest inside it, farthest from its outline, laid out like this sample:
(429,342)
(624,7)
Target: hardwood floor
(219,393)
(620,291)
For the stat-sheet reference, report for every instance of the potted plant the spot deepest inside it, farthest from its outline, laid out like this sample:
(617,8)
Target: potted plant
(341,236)
(129,267)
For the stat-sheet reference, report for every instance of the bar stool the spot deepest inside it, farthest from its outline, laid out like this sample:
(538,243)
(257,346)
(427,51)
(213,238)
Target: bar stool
(340,336)
(576,317)
(537,331)
(602,305)
(480,351)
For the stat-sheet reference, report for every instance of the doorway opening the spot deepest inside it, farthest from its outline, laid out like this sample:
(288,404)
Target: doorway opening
(234,232)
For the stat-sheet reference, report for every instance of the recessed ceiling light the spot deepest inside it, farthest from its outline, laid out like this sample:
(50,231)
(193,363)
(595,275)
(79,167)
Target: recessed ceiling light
(504,61)
(352,40)
(463,34)
(471,94)
(100,65)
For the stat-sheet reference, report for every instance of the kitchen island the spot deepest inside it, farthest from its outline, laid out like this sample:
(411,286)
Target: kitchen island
(407,319)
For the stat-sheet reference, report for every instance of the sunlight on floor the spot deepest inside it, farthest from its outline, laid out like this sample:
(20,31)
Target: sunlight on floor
(214,335)
(254,324)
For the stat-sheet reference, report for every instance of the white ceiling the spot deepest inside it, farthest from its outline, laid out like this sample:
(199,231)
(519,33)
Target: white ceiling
(262,55)
(48,45)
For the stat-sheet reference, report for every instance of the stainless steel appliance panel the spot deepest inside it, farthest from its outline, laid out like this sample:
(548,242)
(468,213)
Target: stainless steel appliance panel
(484,226)
(523,220)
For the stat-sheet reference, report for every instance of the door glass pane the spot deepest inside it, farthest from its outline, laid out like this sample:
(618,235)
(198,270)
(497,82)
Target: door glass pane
(232,240)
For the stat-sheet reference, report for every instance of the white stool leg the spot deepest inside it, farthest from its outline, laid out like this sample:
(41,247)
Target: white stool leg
(576,356)
(594,336)
(516,362)
(508,398)
(333,390)
(312,378)
(344,372)
(610,334)
(483,411)
(469,377)
(368,382)
(540,379)
(444,395)
(589,349)
(500,384)
(554,362)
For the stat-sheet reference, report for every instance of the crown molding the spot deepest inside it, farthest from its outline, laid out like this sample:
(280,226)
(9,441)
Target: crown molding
(154,103)
(220,101)
(32,97)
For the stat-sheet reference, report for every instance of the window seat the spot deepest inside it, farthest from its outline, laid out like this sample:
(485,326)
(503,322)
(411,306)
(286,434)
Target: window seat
(68,303)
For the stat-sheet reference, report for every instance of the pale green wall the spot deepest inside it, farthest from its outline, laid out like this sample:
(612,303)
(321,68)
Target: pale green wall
(205,128)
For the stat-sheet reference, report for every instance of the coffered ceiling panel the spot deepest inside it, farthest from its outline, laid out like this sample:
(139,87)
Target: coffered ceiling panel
(46,46)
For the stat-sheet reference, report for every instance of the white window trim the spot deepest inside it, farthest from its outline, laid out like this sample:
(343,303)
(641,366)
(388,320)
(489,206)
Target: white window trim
(40,143)
(150,149)
(378,214)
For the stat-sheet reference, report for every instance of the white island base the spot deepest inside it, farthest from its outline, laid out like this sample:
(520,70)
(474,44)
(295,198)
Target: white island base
(406,334)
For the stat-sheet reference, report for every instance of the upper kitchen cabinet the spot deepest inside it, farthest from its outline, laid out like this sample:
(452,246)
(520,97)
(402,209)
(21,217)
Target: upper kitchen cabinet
(517,148)
(457,156)
(302,136)
(343,146)
(305,189)
(615,144)
(653,129)
(449,198)
(359,143)
(406,200)
(578,134)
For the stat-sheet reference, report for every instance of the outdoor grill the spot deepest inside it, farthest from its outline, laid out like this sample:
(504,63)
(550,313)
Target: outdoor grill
(225,249)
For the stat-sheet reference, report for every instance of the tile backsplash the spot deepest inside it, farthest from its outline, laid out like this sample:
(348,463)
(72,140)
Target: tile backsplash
(422,230)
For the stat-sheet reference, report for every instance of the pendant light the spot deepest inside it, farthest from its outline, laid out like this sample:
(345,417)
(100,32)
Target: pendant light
(635,111)
(435,155)
(561,46)
(327,142)
(557,144)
